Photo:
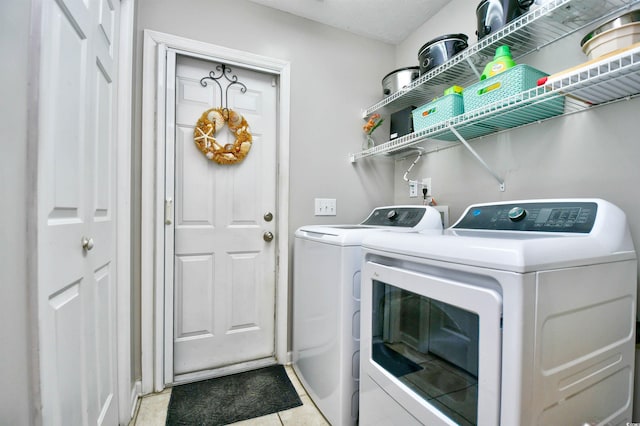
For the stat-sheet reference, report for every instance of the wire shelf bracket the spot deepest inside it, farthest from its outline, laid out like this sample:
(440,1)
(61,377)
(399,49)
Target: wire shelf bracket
(477,156)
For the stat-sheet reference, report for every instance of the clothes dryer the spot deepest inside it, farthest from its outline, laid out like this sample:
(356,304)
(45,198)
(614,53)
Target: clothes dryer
(521,313)
(326,304)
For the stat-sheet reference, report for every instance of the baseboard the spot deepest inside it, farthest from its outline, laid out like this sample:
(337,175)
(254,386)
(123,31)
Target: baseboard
(135,397)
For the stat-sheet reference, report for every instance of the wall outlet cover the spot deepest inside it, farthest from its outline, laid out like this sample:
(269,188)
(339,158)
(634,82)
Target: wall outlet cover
(413,188)
(426,183)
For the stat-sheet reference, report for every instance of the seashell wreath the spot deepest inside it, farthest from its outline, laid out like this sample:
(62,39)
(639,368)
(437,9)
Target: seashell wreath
(209,123)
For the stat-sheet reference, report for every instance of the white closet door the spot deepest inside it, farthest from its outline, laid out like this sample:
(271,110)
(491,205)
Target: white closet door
(76,209)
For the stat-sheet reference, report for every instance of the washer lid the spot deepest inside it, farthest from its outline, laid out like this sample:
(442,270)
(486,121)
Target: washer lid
(342,235)
(403,218)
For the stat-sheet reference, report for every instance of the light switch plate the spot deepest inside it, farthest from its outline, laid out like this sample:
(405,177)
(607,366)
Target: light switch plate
(325,206)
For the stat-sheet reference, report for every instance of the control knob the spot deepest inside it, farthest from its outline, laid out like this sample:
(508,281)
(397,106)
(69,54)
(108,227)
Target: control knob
(517,214)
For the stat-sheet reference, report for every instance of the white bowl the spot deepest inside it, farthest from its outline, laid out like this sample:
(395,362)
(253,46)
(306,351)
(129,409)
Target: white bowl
(612,40)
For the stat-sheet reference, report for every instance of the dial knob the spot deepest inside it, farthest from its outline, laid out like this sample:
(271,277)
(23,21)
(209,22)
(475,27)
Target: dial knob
(516,214)
(392,215)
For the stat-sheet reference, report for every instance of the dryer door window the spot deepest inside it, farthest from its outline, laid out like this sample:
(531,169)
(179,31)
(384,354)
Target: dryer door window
(432,344)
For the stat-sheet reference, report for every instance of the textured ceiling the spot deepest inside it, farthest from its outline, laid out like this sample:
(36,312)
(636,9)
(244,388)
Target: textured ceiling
(390,21)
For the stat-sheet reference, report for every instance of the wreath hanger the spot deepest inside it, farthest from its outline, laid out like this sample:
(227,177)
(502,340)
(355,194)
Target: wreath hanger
(224,70)
(215,118)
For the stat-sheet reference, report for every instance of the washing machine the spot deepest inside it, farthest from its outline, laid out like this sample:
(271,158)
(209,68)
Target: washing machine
(521,313)
(326,304)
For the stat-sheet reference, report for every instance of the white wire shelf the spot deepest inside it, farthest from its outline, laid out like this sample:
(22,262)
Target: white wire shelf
(611,79)
(528,33)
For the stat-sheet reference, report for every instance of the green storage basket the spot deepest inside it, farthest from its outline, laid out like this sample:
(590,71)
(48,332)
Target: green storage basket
(439,110)
(514,81)
(508,83)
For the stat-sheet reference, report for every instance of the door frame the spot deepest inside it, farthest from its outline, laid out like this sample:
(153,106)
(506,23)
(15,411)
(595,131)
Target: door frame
(152,261)
(128,389)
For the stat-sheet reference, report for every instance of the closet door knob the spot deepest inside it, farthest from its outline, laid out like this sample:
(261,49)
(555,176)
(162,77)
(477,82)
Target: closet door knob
(87,243)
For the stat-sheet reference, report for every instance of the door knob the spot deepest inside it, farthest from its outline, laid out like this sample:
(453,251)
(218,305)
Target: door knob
(267,236)
(268,216)
(87,243)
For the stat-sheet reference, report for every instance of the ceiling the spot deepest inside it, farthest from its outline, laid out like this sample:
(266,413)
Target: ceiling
(390,21)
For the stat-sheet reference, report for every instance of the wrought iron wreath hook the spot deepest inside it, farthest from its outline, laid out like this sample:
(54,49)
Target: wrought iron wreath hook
(224,70)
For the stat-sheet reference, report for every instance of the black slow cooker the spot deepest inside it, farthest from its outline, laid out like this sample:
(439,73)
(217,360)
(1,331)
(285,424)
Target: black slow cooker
(495,14)
(440,50)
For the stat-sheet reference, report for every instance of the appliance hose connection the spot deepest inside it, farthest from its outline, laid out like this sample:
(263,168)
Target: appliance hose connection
(406,179)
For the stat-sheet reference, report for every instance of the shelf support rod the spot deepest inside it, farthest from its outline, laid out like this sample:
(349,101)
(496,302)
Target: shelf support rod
(473,67)
(475,154)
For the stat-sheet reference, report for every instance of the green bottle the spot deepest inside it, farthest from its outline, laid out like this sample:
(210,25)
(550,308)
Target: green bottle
(502,61)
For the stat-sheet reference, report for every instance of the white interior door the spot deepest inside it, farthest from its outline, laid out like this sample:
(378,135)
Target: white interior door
(76,208)
(224,270)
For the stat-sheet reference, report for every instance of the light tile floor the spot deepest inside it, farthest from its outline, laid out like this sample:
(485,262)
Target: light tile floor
(152,410)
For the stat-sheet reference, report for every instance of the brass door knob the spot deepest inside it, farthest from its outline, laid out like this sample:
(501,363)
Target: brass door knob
(267,236)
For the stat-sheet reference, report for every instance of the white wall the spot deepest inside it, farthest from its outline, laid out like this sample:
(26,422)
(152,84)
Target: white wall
(334,75)
(15,357)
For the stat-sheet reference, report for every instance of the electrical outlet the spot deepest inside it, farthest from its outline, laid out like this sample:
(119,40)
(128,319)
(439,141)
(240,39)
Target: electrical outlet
(426,183)
(413,188)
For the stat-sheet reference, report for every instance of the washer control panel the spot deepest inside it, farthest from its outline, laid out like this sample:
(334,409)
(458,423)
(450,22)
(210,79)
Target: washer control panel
(573,217)
(403,217)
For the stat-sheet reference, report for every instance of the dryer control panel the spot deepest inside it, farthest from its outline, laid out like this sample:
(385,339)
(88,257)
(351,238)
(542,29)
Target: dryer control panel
(572,217)
(403,217)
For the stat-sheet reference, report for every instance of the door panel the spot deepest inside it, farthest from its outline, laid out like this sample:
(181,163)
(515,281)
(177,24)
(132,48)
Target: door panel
(76,192)
(103,137)
(224,271)
(63,193)
(193,280)
(65,310)
(105,343)
(244,306)
(192,209)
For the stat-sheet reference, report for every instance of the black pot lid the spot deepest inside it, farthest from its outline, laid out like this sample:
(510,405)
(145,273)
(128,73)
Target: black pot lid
(401,69)
(460,37)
